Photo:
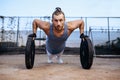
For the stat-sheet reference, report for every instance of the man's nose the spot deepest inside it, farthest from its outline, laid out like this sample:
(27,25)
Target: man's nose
(58,22)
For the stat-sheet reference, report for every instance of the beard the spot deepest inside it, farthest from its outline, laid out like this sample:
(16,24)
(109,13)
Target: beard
(59,28)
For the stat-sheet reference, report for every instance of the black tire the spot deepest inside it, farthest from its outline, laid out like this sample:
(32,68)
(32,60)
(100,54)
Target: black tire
(86,53)
(30,53)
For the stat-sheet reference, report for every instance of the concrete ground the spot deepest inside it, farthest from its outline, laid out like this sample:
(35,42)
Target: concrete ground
(12,67)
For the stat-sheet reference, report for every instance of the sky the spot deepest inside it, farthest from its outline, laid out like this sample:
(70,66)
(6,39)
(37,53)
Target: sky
(79,8)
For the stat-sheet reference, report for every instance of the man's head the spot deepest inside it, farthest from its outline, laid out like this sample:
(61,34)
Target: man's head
(58,19)
(58,11)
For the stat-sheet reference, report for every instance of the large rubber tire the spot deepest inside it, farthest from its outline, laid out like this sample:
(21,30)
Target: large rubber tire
(30,53)
(86,53)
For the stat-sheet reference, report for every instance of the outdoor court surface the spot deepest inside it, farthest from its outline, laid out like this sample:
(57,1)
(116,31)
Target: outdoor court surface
(12,67)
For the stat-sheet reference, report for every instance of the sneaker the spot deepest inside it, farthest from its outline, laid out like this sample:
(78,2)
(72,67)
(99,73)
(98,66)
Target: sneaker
(50,61)
(60,61)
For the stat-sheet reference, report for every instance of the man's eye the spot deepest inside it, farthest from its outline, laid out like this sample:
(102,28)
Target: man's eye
(56,20)
(61,20)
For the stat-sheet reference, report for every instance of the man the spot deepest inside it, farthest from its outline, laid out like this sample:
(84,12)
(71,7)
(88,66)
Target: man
(57,33)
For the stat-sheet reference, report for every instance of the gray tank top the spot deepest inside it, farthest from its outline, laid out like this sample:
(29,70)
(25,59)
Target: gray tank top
(56,44)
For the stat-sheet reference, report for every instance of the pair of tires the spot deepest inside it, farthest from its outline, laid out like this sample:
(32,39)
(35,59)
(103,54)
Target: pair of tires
(86,53)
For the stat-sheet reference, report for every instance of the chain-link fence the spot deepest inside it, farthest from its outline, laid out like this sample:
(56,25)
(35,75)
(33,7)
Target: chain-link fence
(102,30)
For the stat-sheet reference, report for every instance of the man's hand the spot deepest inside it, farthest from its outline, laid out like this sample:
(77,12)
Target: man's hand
(32,35)
(82,36)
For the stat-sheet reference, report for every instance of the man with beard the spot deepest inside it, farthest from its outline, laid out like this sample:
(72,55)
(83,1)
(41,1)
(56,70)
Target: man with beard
(57,33)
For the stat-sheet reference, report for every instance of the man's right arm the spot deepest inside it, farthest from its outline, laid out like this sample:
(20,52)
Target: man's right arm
(42,25)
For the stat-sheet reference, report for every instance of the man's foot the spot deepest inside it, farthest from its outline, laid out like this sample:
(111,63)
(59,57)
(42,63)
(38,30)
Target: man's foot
(50,58)
(50,61)
(60,61)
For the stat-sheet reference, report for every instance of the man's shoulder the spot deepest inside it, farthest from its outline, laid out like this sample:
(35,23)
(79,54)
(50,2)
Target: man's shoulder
(46,26)
(68,24)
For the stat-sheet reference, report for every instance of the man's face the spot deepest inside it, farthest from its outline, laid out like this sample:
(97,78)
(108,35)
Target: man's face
(58,21)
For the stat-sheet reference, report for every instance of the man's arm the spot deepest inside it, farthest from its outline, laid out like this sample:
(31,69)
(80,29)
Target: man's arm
(72,25)
(42,25)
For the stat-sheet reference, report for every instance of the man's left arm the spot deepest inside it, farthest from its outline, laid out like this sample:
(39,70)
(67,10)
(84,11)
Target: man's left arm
(77,24)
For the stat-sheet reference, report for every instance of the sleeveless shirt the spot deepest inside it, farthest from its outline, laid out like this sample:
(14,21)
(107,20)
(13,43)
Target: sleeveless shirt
(56,44)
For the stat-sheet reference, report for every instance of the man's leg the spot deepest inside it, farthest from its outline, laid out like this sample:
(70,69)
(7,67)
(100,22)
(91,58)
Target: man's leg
(59,57)
(50,56)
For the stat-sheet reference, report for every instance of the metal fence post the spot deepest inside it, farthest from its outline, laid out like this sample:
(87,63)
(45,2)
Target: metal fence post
(108,33)
(17,32)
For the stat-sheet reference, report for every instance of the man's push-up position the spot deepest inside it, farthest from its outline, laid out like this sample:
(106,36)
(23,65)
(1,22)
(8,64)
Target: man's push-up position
(57,33)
